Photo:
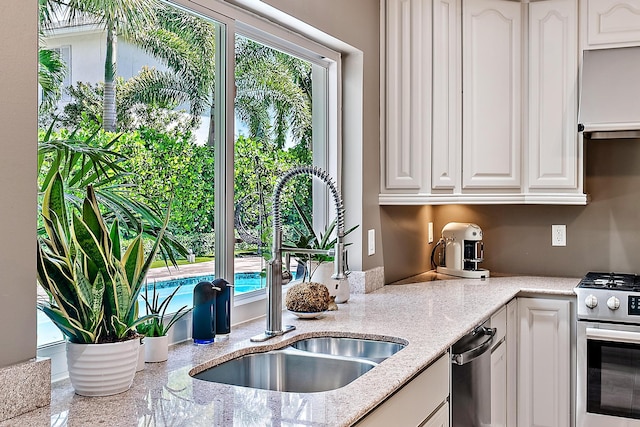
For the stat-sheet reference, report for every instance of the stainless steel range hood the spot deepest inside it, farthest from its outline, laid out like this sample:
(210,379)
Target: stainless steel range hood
(610,95)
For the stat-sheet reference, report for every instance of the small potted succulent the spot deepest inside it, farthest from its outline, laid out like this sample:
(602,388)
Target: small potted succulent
(92,290)
(155,329)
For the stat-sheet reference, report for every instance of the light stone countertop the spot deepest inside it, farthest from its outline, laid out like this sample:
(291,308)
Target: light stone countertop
(429,315)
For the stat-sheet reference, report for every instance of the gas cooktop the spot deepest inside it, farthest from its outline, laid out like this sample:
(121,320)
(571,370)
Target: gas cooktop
(611,281)
(613,297)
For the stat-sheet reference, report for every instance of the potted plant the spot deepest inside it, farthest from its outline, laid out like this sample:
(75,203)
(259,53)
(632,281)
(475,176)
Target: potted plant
(155,329)
(318,267)
(92,289)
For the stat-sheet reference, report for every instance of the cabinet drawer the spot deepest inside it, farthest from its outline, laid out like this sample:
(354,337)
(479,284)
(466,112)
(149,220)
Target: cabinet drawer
(416,401)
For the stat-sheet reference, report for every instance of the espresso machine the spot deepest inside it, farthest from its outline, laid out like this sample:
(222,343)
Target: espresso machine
(463,251)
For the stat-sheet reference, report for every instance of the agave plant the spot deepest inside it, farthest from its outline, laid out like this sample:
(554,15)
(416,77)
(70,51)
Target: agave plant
(92,286)
(156,327)
(308,238)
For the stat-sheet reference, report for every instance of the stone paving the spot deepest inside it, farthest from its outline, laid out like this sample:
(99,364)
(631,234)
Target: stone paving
(241,265)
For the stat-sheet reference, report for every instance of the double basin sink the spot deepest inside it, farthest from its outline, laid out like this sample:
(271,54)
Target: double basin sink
(307,366)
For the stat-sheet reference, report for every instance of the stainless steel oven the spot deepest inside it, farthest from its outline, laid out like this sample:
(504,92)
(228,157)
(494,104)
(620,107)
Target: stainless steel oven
(608,352)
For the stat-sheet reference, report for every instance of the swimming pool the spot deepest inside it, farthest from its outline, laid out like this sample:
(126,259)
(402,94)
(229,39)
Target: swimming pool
(243,283)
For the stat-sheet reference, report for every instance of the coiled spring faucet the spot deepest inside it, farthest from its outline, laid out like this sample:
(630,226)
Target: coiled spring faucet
(274,266)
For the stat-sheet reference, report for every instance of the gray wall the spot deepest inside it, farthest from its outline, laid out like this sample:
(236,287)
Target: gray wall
(18,118)
(601,236)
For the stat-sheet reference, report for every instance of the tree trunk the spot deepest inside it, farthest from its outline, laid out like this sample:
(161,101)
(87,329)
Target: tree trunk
(109,97)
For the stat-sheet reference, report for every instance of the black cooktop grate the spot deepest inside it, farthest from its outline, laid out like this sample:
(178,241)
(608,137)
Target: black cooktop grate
(611,281)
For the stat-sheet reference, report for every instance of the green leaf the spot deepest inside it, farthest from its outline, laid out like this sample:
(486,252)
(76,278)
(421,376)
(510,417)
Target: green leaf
(90,246)
(114,235)
(53,204)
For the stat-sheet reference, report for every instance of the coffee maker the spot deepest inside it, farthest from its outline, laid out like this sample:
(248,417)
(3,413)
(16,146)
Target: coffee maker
(463,251)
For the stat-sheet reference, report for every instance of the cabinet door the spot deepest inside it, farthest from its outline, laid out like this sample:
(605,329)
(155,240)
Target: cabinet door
(439,419)
(613,22)
(544,368)
(553,76)
(499,386)
(408,92)
(447,95)
(512,362)
(491,82)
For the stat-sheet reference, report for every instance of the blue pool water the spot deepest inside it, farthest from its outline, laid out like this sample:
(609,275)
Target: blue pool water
(243,283)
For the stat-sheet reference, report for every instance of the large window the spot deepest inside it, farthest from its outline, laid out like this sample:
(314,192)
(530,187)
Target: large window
(205,113)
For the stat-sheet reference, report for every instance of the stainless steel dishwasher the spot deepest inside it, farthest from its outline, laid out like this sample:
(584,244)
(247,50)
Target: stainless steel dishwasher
(471,378)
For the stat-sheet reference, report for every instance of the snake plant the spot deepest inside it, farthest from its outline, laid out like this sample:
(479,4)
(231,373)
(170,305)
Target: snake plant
(92,286)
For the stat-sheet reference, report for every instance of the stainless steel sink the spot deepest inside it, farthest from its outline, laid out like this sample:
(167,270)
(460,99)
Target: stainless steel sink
(375,351)
(288,370)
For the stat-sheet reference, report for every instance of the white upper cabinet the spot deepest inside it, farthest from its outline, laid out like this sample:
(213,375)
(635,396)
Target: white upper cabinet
(480,102)
(611,23)
(491,104)
(447,95)
(553,66)
(407,92)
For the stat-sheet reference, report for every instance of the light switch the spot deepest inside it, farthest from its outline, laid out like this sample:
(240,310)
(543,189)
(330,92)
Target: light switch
(371,242)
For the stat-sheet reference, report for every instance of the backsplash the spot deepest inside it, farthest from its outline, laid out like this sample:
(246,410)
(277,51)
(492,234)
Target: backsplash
(604,235)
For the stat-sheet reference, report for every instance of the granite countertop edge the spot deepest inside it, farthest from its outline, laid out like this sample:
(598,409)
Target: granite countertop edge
(429,315)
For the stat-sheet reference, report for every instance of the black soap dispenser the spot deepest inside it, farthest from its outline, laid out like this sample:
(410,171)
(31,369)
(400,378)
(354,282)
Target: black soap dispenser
(223,307)
(204,311)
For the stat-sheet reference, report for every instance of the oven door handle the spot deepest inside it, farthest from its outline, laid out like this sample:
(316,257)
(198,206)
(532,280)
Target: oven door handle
(614,336)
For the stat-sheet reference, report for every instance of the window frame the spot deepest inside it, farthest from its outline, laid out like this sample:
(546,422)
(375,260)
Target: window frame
(232,20)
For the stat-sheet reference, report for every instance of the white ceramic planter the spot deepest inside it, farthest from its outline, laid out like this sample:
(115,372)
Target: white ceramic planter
(102,369)
(140,366)
(156,349)
(322,274)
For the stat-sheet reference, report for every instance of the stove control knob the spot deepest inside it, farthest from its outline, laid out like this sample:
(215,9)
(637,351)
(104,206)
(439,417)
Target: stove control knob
(613,303)
(591,301)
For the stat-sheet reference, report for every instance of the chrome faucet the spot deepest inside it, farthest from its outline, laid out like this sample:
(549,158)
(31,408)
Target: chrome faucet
(274,266)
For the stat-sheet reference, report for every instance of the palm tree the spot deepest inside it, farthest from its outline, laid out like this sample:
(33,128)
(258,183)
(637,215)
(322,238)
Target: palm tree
(51,73)
(118,17)
(274,93)
(186,44)
(51,68)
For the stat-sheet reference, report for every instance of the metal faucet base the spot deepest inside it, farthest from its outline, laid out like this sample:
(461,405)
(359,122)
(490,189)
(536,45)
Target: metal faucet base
(270,334)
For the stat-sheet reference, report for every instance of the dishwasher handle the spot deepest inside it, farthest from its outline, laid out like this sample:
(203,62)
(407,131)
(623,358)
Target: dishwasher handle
(475,352)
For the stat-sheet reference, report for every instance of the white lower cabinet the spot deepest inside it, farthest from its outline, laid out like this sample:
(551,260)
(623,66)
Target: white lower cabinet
(500,363)
(499,386)
(439,419)
(512,363)
(421,402)
(544,369)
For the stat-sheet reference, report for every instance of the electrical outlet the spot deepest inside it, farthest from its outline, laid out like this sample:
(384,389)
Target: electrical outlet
(558,235)
(371,242)
(430,232)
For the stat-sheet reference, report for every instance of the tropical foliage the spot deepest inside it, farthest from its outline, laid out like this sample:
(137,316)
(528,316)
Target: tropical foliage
(156,152)
(92,286)
(87,157)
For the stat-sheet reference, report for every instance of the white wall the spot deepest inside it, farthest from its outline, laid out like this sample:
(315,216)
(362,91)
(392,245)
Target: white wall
(18,142)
